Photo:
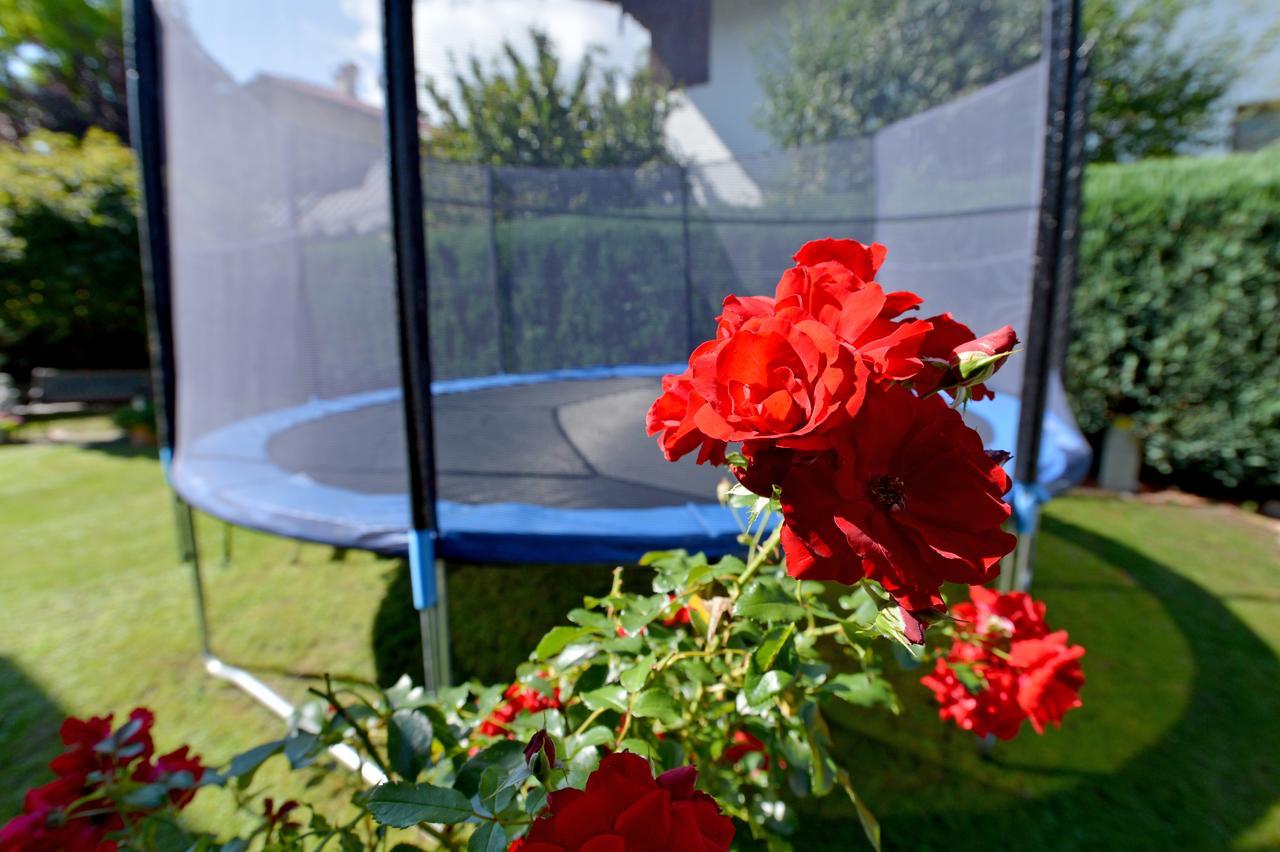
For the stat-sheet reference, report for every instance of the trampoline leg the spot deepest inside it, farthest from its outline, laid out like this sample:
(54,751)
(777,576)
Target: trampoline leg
(1019,569)
(241,679)
(434,622)
(189,553)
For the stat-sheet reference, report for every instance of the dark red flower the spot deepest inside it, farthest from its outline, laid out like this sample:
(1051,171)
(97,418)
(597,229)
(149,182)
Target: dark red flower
(168,765)
(1005,666)
(1009,615)
(833,282)
(990,708)
(625,809)
(1049,677)
(517,699)
(907,497)
(92,745)
(787,369)
(744,743)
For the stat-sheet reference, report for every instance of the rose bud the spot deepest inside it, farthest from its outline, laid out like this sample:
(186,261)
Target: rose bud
(978,360)
(540,755)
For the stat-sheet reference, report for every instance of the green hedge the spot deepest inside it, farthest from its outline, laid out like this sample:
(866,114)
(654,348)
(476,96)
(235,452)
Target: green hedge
(69,261)
(1177,315)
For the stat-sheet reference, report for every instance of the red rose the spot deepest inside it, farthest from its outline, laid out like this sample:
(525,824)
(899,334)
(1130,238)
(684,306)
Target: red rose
(990,710)
(1009,615)
(1049,677)
(907,497)
(744,743)
(1005,667)
(832,282)
(786,370)
(625,809)
(517,699)
(166,765)
(781,377)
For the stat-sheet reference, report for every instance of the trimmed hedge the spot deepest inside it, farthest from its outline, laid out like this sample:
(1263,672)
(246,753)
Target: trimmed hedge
(1177,315)
(69,259)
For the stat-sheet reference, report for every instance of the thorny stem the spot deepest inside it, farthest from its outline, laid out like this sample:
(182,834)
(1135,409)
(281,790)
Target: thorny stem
(361,733)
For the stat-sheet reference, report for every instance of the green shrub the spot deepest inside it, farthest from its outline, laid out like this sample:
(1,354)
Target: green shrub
(1176,314)
(70,293)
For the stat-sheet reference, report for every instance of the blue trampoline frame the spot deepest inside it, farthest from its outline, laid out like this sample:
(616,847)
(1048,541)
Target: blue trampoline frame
(512,532)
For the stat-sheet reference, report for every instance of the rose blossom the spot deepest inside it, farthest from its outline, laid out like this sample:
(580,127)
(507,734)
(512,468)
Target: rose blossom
(1005,666)
(906,497)
(625,809)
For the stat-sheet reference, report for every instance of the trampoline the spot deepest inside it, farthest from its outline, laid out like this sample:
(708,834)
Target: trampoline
(361,345)
(540,501)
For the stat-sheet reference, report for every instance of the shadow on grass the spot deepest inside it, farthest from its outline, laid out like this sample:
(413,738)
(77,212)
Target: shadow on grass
(1208,779)
(497,614)
(29,722)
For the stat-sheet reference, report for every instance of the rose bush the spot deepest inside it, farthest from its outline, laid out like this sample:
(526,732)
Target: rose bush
(720,676)
(110,789)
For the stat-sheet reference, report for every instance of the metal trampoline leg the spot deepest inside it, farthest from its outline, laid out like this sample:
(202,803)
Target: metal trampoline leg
(1020,569)
(434,623)
(189,552)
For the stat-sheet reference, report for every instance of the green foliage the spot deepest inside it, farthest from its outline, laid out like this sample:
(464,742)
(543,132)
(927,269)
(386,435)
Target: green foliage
(719,653)
(527,113)
(1154,91)
(848,67)
(70,291)
(1175,315)
(63,67)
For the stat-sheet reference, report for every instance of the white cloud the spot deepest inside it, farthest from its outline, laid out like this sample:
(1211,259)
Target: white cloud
(463,28)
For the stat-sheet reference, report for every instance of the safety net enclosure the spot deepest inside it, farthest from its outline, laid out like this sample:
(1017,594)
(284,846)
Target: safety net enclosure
(559,285)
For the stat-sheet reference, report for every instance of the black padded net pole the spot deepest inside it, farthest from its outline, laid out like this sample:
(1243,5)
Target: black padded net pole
(1063,152)
(409,228)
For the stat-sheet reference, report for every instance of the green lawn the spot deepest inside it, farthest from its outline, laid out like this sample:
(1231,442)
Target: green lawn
(1177,747)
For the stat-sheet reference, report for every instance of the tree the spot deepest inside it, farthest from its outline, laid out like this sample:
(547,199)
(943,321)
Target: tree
(1154,92)
(69,264)
(64,67)
(849,67)
(523,112)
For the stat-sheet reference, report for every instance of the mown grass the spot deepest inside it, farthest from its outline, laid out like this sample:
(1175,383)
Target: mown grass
(1177,746)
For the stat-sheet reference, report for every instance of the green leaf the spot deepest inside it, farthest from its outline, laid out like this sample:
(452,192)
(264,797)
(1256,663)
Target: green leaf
(409,739)
(589,618)
(490,837)
(611,697)
(593,736)
(657,703)
(535,801)
(245,764)
(148,796)
(576,654)
(866,689)
(556,639)
(633,679)
(760,689)
(641,611)
(401,805)
(771,646)
(765,600)
(506,753)
(301,749)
